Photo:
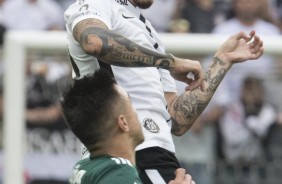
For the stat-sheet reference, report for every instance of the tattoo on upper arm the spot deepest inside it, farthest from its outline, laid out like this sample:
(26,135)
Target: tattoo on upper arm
(116,49)
(82,25)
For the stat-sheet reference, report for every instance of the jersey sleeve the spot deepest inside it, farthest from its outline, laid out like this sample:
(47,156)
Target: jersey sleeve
(167,81)
(98,9)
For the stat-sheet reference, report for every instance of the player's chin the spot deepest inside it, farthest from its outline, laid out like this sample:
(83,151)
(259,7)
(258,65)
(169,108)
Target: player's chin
(144,4)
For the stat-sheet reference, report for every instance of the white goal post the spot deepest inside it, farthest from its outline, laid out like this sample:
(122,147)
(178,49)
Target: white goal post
(15,52)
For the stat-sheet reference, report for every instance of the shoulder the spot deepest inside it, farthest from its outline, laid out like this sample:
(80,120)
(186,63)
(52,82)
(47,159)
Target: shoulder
(117,165)
(87,4)
(119,171)
(105,170)
(84,9)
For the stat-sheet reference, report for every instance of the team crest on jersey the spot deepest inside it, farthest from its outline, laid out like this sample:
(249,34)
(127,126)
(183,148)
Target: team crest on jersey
(122,2)
(150,125)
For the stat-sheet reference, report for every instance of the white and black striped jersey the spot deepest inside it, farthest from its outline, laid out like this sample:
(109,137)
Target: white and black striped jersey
(146,85)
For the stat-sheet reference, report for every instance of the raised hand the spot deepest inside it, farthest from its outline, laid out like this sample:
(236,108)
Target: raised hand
(241,47)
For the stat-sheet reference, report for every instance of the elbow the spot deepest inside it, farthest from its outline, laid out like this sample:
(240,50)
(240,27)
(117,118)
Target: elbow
(93,46)
(178,133)
(179,130)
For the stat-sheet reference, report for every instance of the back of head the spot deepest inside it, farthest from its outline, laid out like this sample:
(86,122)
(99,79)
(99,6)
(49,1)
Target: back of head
(88,106)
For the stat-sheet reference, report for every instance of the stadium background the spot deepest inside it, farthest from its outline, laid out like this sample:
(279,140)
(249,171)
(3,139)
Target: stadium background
(48,148)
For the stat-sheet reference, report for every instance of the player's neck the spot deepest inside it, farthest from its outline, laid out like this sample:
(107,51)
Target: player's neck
(116,148)
(123,153)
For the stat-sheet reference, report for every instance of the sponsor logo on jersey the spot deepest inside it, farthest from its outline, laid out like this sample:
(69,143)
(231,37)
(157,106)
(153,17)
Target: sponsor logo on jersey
(122,2)
(150,125)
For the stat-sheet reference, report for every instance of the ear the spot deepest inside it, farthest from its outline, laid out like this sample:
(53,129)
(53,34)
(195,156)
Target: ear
(122,123)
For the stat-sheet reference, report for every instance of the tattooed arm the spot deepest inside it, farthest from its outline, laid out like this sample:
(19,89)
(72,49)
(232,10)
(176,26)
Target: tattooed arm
(97,40)
(186,108)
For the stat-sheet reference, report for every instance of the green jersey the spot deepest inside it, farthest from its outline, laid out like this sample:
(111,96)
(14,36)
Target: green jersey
(104,170)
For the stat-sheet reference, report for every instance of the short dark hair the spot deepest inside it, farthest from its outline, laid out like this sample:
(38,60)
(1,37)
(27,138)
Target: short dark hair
(87,106)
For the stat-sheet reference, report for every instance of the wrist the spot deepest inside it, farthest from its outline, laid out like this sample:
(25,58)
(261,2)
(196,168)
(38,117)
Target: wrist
(225,58)
(172,61)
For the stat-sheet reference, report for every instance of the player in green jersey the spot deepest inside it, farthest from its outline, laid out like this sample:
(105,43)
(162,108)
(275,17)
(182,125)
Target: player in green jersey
(100,114)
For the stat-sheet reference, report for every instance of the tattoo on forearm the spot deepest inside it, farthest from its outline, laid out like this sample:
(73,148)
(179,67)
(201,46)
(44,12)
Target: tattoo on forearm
(120,51)
(189,106)
(217,61)
(213,82)
(215,74)
(186,109)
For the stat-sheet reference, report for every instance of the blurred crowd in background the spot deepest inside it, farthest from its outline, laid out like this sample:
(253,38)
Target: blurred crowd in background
(237,140)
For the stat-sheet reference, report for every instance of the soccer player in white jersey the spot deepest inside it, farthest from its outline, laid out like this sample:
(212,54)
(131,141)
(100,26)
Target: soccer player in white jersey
(114,32)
